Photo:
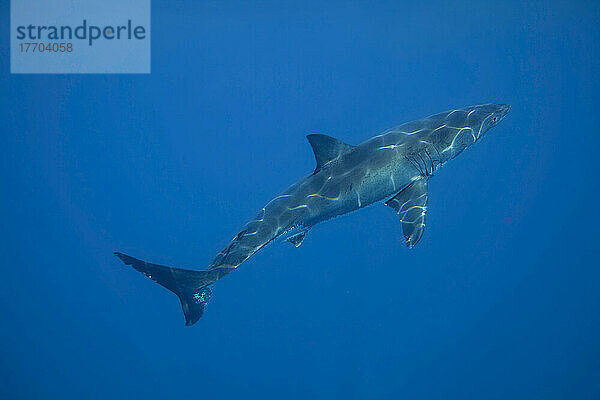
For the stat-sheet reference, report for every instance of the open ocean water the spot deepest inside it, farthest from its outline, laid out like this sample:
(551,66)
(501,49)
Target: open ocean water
(500,298)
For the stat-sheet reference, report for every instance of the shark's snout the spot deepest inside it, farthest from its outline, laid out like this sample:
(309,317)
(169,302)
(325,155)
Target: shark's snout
(498,112)
(504,109)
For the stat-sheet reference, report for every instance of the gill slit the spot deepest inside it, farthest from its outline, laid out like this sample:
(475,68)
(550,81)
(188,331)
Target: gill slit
(424,164)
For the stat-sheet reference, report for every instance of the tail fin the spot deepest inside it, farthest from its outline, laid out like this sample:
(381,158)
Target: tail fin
(191,286)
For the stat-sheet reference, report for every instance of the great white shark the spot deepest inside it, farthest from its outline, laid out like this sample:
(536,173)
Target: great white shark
(393,167)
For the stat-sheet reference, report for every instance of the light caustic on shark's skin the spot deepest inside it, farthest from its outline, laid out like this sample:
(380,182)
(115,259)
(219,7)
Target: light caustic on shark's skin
(394,166)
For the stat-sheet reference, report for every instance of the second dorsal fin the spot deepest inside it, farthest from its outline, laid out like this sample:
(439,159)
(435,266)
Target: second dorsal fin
(326,148)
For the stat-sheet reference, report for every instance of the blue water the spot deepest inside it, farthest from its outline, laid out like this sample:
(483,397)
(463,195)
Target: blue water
(499,300)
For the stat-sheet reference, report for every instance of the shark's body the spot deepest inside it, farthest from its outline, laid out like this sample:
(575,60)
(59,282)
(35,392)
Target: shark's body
(393,167)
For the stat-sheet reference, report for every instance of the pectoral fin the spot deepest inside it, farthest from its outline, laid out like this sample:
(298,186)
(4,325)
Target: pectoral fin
(411,205)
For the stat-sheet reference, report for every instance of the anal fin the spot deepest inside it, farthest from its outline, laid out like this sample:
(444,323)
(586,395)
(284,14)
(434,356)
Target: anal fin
(297,239)
(411,205)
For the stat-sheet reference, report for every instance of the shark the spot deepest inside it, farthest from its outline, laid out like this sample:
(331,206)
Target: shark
(392,168)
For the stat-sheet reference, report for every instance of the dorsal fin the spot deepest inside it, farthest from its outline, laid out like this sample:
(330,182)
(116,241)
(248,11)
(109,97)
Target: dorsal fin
(326,148)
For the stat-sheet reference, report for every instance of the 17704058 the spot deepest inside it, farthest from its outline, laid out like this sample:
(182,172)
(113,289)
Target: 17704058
(46,47)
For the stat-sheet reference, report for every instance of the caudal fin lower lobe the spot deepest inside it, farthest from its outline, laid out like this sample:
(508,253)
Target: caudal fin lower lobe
(190,286)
